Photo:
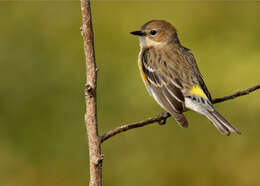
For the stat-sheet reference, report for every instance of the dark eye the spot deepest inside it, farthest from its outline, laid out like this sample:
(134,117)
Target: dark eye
(153,32)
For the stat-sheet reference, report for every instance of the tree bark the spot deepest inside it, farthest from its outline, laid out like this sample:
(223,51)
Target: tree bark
(94,143)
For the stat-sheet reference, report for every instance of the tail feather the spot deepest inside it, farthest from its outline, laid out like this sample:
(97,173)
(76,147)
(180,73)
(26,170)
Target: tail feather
(226,123)
(221,123)
(180,119)
(218,124)
(204,107)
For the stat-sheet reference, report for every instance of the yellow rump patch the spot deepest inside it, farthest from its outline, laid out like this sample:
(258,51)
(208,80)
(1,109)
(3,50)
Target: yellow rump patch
(196,90)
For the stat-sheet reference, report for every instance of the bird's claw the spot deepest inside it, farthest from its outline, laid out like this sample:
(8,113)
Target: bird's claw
(164,116)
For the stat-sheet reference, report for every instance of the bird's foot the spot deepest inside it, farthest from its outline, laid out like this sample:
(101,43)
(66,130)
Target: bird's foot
(163,117)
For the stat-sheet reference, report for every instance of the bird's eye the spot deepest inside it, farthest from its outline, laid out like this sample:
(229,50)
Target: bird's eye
(153,32)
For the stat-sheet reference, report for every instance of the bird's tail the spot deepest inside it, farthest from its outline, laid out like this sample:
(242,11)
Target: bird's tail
(181,120)
(220,122)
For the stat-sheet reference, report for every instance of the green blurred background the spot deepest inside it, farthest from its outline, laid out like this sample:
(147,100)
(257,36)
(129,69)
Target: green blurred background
(42,132)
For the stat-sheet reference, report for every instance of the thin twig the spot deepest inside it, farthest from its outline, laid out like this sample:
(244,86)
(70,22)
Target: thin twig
(237,94)
(126,127)
(163,117)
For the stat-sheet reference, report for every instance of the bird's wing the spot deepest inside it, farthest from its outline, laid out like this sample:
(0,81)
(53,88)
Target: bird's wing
(166,91)
(191,60)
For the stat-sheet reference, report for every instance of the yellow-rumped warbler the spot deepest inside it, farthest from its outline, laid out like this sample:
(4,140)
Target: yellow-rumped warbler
(172,77)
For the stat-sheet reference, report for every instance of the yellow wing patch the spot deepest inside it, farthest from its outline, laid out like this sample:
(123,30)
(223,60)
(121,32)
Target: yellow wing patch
(196,90)
(141,70)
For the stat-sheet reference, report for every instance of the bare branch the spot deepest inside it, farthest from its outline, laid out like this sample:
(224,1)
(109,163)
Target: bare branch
(95,156)
(237,94)
(161,118)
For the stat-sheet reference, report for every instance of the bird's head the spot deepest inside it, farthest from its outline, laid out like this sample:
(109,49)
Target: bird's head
(156,33)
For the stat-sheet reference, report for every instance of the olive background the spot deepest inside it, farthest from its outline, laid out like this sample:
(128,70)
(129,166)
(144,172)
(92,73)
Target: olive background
(42,73)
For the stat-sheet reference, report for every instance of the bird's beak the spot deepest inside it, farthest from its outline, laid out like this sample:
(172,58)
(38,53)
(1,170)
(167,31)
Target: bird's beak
(138,33)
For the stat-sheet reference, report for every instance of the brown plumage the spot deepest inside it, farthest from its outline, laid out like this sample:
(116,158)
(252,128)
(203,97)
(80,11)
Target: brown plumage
(172,77)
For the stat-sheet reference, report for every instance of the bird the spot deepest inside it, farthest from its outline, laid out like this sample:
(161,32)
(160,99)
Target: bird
(172,77)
